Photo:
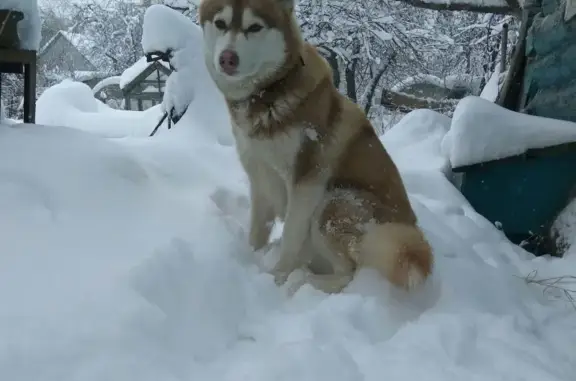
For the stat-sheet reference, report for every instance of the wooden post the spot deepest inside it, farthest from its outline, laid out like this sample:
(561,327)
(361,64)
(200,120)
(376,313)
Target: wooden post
(30,92)
(503,48)
(509,96)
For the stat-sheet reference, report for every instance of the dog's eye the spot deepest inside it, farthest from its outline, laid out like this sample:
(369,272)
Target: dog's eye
(220,24)
(254,28)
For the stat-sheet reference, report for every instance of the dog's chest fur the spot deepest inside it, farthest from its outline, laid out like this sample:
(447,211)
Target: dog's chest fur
(277,150)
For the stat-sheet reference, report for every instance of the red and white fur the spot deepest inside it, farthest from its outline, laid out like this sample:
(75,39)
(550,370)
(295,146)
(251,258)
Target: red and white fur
(311,155)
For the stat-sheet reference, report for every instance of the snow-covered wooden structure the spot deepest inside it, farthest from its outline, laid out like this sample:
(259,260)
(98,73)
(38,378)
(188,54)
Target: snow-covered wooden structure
(548,86)
(518,170)
(143,84)
(429,92)
(108,91)
(18,49)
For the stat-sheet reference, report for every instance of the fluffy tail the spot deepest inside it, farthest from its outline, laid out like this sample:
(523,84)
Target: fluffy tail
(399,252)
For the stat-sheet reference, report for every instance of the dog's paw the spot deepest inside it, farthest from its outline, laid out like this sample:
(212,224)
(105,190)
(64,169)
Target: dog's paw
(294,282)
(280,277)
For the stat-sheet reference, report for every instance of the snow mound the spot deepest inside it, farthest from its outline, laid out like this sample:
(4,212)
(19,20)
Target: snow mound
(483,131)
(415,141)
(564,228)
(492,88)
(189,89)
(72,104)
(127,259)
(29,29)
(167,29)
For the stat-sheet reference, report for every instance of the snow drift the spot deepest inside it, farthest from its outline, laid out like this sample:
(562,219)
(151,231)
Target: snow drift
(72,104)
(127,259)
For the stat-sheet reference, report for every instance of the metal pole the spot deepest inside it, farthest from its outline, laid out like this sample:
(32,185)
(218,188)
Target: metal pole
(503,48)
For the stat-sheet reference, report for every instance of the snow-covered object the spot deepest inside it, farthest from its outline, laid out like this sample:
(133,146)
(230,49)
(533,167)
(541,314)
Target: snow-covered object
(72,104)
(114,80)
(564,228)
(128,259)
(415,141)
(482,131)
(189,88)
(492,88)
(29,29)
(166,29)
(135,70)
(450,82)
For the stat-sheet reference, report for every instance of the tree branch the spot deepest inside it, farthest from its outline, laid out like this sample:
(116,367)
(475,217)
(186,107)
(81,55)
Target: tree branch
(482,6)
(405,103)
(375,81)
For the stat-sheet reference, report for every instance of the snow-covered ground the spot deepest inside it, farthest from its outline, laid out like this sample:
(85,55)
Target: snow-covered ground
(124,257)
(127,259)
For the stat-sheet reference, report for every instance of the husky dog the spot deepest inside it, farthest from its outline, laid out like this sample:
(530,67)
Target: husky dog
(311,155)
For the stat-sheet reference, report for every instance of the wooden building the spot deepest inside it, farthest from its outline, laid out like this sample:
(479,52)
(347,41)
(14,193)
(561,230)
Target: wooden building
(143,84)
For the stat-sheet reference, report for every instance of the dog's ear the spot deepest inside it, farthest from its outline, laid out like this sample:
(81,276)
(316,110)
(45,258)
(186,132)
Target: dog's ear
(288,4)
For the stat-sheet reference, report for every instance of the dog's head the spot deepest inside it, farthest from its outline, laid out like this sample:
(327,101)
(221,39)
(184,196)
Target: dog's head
(248,42)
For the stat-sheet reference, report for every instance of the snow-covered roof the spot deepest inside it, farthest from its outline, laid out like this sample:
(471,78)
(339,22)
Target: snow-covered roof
(482,131)
(29,29)
(84,44)
(110,81)
(135,70)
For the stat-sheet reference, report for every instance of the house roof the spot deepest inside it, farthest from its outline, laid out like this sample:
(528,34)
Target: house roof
(82,43)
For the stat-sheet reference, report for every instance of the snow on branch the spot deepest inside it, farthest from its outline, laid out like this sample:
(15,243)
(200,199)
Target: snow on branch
(482,6)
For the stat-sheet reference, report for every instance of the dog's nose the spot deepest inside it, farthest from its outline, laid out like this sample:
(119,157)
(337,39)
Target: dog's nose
(229,61)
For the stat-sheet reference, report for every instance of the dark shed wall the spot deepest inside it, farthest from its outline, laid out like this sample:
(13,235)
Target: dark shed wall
(550,77)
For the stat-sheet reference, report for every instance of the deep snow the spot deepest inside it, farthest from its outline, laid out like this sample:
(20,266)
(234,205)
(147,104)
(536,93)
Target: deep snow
(72,104)
(126,259)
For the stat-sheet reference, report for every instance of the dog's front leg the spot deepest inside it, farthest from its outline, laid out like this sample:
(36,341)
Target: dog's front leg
(261,218)
(303,199)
